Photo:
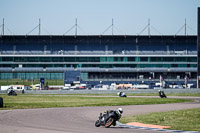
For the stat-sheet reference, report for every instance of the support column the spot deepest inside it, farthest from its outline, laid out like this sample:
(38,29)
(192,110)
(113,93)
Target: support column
(198,48)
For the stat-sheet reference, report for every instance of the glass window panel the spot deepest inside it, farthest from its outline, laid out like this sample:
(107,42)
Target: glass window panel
(102,59)
(168,59)
(180,59)
(69,59)
(45,59)
(7,59)
(192,59)
(110,59)
(144,59)
(131,58)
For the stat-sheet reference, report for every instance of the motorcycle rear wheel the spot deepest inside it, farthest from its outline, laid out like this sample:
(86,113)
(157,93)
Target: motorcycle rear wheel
(109,122)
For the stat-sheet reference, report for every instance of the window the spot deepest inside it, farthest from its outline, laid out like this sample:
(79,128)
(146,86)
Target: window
(144,59)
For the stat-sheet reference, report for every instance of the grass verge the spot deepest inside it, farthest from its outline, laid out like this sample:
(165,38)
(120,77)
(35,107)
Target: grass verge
(187,120)
(128,94)
(29,82)
(51,101)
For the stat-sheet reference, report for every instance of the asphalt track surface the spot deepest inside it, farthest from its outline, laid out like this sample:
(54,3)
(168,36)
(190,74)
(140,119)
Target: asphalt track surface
(78,119)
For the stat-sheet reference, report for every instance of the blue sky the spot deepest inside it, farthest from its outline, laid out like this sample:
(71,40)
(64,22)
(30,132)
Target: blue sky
(95,16)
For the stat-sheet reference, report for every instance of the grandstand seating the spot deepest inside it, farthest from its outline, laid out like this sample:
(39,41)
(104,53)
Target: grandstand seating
(97,47)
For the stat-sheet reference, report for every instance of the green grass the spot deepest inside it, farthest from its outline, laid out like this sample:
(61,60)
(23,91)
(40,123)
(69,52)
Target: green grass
(135,94)
(51,101)
(29,82)
(187,120)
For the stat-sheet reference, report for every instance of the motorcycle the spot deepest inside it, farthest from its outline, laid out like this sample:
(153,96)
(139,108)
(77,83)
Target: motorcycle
(162,94)
(12,93)
(121,94)
(107,119)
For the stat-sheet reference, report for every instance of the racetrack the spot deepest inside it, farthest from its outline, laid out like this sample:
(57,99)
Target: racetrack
(77,119)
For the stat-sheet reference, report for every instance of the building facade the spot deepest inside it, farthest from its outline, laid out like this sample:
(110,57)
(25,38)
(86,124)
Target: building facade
(99,58)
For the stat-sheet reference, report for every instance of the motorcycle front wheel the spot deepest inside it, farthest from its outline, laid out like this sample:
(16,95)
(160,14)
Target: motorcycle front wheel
(109,122)
(97,123)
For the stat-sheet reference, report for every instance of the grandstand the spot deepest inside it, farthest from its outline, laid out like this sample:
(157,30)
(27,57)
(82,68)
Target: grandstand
(106,58)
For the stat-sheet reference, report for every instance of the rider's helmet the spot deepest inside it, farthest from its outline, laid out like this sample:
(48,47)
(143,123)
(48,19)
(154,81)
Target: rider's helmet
(120,111)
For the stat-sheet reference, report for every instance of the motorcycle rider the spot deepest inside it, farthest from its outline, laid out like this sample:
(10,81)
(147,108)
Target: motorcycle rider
(119,93)
(162,94)
(11,92)
(119,112)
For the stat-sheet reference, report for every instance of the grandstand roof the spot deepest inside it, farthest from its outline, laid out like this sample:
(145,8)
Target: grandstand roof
(95,36)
